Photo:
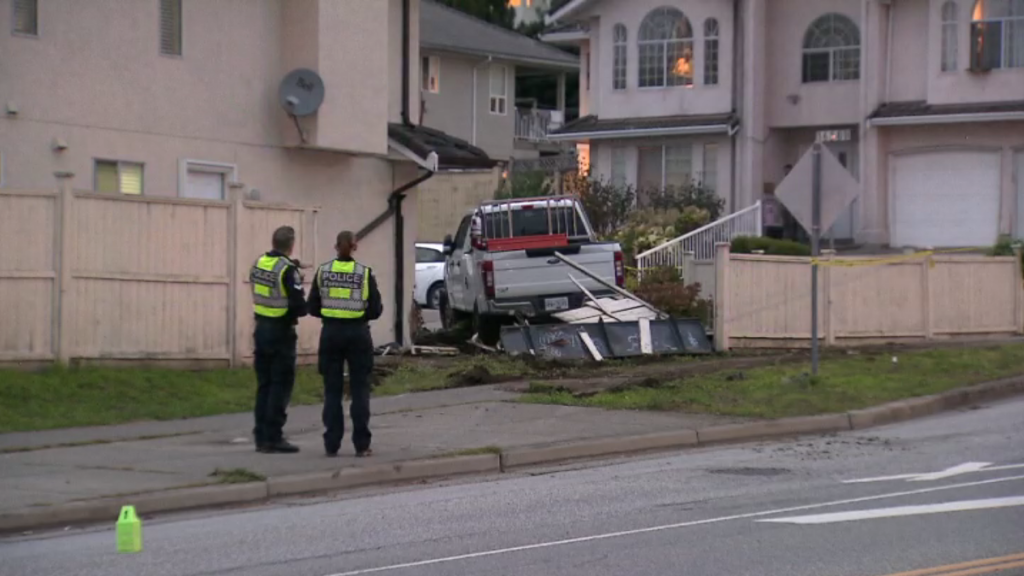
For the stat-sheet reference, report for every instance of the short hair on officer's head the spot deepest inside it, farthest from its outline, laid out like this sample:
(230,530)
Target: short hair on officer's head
(346,240)
(283,239)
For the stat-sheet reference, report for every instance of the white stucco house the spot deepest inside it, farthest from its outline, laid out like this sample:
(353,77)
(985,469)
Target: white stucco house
(922,100)
(179,99)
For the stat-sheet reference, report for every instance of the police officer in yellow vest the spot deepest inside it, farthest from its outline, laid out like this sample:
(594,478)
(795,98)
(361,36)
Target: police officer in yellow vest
(345,296)
(278,301)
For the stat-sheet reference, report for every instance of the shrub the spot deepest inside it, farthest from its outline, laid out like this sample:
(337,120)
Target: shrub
(771,246)
(648,228)
(1004,247)
(607,205)
(681,197)
(524,185)
(665,289)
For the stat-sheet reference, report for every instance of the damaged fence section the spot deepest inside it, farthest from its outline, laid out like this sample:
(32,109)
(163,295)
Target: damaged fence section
(600,340)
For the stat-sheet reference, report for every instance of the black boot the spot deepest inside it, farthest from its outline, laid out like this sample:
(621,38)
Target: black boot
(280,447)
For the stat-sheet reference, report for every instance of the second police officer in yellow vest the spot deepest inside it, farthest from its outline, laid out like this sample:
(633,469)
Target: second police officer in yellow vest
(345,296)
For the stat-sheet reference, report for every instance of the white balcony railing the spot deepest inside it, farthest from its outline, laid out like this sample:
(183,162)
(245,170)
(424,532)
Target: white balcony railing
(701,242)
(534,125)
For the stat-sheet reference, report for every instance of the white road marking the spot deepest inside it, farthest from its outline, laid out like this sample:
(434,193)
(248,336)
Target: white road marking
(607,536)
(897,511)
(967,468)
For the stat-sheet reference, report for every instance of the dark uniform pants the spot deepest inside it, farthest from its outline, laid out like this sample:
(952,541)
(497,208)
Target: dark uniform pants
(275,377)
(342,343)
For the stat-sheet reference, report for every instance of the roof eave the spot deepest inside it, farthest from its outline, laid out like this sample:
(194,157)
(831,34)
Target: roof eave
(925,119)
(565,37)
(705,129)
(568,66)
(429,162)
(566,11)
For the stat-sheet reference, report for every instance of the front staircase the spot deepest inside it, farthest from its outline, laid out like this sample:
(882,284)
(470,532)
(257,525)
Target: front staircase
(699,245)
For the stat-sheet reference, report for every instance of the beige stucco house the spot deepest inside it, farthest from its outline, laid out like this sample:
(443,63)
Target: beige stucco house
(922,100)
(468,74)
(179,99)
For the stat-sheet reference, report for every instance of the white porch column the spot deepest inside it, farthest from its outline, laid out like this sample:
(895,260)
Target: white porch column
(754,128)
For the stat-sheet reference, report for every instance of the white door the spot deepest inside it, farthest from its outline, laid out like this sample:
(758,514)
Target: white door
(1019,176)
(205,185)
(944,199)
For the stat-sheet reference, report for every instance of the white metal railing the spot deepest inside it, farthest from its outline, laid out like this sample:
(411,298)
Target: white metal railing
(534,125)
(701,242)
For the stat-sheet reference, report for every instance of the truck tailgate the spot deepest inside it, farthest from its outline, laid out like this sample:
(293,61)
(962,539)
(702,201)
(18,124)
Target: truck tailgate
(517,275)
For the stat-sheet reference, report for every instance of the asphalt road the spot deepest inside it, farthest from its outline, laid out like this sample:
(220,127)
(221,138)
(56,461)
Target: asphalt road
(784,508)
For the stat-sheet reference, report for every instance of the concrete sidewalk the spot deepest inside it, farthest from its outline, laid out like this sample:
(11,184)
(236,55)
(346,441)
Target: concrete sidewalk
(36,471)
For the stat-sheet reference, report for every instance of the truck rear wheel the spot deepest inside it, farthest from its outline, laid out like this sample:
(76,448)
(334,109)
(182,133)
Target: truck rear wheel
(450,317)
(488,328)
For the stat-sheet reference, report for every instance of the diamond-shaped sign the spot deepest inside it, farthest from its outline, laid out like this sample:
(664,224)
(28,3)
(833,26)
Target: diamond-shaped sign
(838,189)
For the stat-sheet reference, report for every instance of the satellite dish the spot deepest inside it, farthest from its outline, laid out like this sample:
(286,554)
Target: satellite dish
(301,92)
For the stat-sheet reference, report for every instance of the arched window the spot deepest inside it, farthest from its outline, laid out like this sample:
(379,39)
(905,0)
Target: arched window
(997,34)
(665,45)
(831,50)
(710,52)
(950,16)
(619,60)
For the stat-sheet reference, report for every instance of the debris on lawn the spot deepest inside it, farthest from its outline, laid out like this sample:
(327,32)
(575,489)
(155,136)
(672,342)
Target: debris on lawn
(621,326)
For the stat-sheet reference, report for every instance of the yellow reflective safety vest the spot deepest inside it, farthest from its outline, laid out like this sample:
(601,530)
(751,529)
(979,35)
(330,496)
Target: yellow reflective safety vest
(344,289)
(267,278)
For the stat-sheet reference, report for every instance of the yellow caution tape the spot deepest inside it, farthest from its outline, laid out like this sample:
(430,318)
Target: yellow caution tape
(859,262)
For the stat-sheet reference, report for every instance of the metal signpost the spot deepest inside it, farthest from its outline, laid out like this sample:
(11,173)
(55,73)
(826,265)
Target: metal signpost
(815,250)
(802,193)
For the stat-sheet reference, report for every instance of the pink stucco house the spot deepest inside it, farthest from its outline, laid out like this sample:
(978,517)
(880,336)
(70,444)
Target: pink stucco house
(923,101)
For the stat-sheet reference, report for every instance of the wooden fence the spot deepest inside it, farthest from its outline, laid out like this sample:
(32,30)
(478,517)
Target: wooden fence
(86,276)
(765,301)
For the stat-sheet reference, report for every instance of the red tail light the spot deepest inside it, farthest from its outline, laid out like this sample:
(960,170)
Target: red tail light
(487,269)
(620,270)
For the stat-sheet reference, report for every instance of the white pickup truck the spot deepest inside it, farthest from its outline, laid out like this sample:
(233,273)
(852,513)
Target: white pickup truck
(501,262)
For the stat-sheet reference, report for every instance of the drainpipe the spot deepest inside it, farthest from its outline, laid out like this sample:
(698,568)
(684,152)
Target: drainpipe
(733,140)
(888,49)
(405,63)
(398,194)
(476,104)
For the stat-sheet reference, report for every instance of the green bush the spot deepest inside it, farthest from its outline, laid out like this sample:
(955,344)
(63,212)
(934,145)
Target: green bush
(692,195)
(770,246)
(607,205)
(1004,247)
(524,185)
(666,290)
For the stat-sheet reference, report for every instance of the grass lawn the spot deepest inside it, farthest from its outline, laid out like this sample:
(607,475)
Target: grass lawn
(61,397)
(852,382)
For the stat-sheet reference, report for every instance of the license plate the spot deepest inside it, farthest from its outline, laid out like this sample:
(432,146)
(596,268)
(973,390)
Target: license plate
(555,304)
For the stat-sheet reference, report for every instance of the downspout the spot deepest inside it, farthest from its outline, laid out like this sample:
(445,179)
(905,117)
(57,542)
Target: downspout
(476,104)
(891,16)
(733,140)
(405,63)
(398,194)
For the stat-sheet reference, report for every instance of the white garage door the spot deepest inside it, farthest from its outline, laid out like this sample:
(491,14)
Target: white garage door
(945,199)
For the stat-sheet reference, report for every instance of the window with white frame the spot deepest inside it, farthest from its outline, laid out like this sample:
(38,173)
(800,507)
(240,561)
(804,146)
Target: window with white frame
(831,50)
(997,34)
(660,167)
(665,49)
(170,27)
(949,35)
(709,170)
(26,17)
(118,177)
(618,171)
(619,58)
(711,52)
(431,69)
(499,90)
(205,180)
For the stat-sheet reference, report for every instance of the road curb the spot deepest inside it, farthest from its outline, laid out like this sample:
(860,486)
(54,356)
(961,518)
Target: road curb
(106,509)
(383,474)
(529,456)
